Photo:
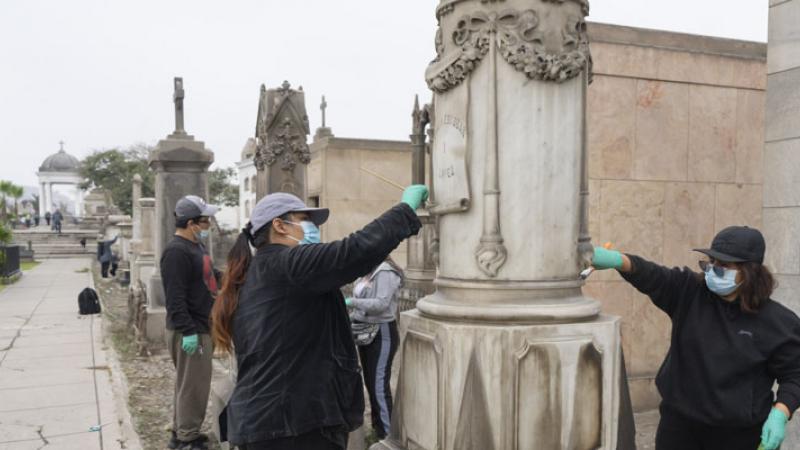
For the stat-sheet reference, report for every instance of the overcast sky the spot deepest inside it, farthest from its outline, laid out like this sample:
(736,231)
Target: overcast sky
(98,74)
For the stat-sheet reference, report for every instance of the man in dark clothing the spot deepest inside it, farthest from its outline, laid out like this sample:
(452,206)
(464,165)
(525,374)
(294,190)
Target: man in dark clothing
(104,254)
(190,284)
(57,219)
(47,217)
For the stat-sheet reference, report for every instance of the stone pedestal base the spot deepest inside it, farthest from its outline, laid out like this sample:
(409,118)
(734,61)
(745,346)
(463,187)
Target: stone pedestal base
(482,386)
(156,324)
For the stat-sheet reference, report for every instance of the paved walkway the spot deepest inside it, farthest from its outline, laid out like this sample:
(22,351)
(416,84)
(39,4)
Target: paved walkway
(55,382)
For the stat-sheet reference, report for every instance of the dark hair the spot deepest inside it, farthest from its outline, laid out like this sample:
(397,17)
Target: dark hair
(757,285)
(397,268)
(239,259)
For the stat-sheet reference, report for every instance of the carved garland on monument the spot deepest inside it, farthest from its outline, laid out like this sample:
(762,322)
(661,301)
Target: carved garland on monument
(520,42)
(288,146)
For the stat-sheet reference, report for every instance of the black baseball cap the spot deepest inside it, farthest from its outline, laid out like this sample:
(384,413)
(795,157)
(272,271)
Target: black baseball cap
(737,244)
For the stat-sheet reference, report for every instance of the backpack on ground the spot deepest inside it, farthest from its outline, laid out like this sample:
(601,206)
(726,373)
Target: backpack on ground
(88,302)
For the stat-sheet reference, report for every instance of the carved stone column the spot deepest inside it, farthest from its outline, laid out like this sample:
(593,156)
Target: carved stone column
(508,353)
(181,166)
(282,151)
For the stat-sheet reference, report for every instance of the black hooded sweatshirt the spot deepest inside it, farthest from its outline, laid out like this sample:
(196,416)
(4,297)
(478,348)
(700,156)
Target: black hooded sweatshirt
(298,367)
(722,361)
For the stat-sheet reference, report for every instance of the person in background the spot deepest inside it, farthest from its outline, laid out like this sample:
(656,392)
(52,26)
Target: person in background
(730,344)
(57,219)
(47,217)
(36,219)
(104,254)
(299,386)
(190,285)
(374,301)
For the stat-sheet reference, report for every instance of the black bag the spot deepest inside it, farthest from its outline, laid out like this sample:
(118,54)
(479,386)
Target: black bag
(88,302)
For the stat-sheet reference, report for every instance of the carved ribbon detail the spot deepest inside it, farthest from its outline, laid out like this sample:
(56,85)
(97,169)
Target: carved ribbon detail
(520,42)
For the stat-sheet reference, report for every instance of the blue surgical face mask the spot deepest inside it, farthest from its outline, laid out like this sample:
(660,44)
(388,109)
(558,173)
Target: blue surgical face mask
(722,285)
(203,234)
(310,232)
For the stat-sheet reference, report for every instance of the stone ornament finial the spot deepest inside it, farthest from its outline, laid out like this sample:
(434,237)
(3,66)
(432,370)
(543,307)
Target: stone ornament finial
(541,51)
(281,129)
(177,97)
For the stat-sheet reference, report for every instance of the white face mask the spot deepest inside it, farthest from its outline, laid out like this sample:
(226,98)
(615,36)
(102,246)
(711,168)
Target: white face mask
(723,285)
(311,233)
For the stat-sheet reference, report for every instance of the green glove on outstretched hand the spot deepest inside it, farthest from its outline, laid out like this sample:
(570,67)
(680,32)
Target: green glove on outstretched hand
(189,344)
(606,259)
(415,195)
(774,429)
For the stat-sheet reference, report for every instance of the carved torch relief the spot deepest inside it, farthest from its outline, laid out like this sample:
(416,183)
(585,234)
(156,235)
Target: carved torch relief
(546,43)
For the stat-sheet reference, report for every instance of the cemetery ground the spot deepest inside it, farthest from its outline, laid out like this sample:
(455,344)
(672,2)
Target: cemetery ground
(150,378)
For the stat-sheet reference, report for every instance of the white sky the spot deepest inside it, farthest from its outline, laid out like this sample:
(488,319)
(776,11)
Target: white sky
(98,74)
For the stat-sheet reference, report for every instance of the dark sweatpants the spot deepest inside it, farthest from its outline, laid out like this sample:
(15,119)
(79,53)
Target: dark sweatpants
(314,440)
(675,432)
(376,362)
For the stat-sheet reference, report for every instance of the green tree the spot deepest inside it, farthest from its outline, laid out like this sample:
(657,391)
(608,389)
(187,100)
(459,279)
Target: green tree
(113,170)
(17,192)
(7,189)
(221,188)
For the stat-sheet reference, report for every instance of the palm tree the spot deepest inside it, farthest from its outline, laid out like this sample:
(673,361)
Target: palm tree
(17,192)
(6,189)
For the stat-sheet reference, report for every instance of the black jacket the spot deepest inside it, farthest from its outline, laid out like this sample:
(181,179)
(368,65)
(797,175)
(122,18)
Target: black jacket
(188,278)
(298,367)
(722,362)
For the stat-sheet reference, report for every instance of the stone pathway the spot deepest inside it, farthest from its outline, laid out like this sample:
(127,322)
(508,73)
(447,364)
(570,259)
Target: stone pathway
(55,382)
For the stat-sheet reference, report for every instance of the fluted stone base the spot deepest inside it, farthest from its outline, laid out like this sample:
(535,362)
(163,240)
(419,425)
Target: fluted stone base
(481,386)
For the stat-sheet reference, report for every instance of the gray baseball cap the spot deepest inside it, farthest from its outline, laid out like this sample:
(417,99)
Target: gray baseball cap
(191,206)
(280,203)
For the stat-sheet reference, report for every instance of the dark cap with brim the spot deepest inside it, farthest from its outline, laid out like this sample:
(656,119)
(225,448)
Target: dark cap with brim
(737,244)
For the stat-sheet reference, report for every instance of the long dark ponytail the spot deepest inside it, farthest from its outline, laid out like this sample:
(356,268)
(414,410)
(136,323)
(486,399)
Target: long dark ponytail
(233,279)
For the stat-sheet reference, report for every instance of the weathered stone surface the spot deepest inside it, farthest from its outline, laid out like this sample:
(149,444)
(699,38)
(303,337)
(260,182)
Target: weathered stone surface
(712,134)
(688,224)
(781,228)
(738,204)
(632,217)
(662,131)
(652,328)
(626,60)
(749,136)
(611,127)
(783,106)
(782,163)
(784,36)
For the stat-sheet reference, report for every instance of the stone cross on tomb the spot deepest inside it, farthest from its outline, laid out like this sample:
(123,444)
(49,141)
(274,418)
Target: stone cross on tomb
(323,106)
(177,97)
(61,144)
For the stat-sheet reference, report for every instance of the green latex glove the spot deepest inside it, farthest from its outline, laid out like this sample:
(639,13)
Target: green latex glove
(414,195)
(606,259)
(189,344)
(774,429)
(348,301)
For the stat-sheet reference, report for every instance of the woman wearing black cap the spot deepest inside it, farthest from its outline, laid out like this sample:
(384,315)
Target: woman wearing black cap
(298,385)
(730,343)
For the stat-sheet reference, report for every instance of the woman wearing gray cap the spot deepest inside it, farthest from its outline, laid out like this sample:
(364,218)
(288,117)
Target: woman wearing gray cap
(298,385)
(730,343)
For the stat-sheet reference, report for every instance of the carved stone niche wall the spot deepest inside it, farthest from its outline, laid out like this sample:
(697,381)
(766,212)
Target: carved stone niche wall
(282,151)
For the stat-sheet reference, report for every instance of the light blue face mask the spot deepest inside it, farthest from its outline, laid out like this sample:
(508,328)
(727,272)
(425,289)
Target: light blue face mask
(723,285)
(311,233)
(203,234)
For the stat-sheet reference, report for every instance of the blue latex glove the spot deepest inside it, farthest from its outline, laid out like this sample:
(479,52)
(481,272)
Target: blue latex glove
(189,344)
(606,259)
(348,301)
(414,195)
(774,429)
